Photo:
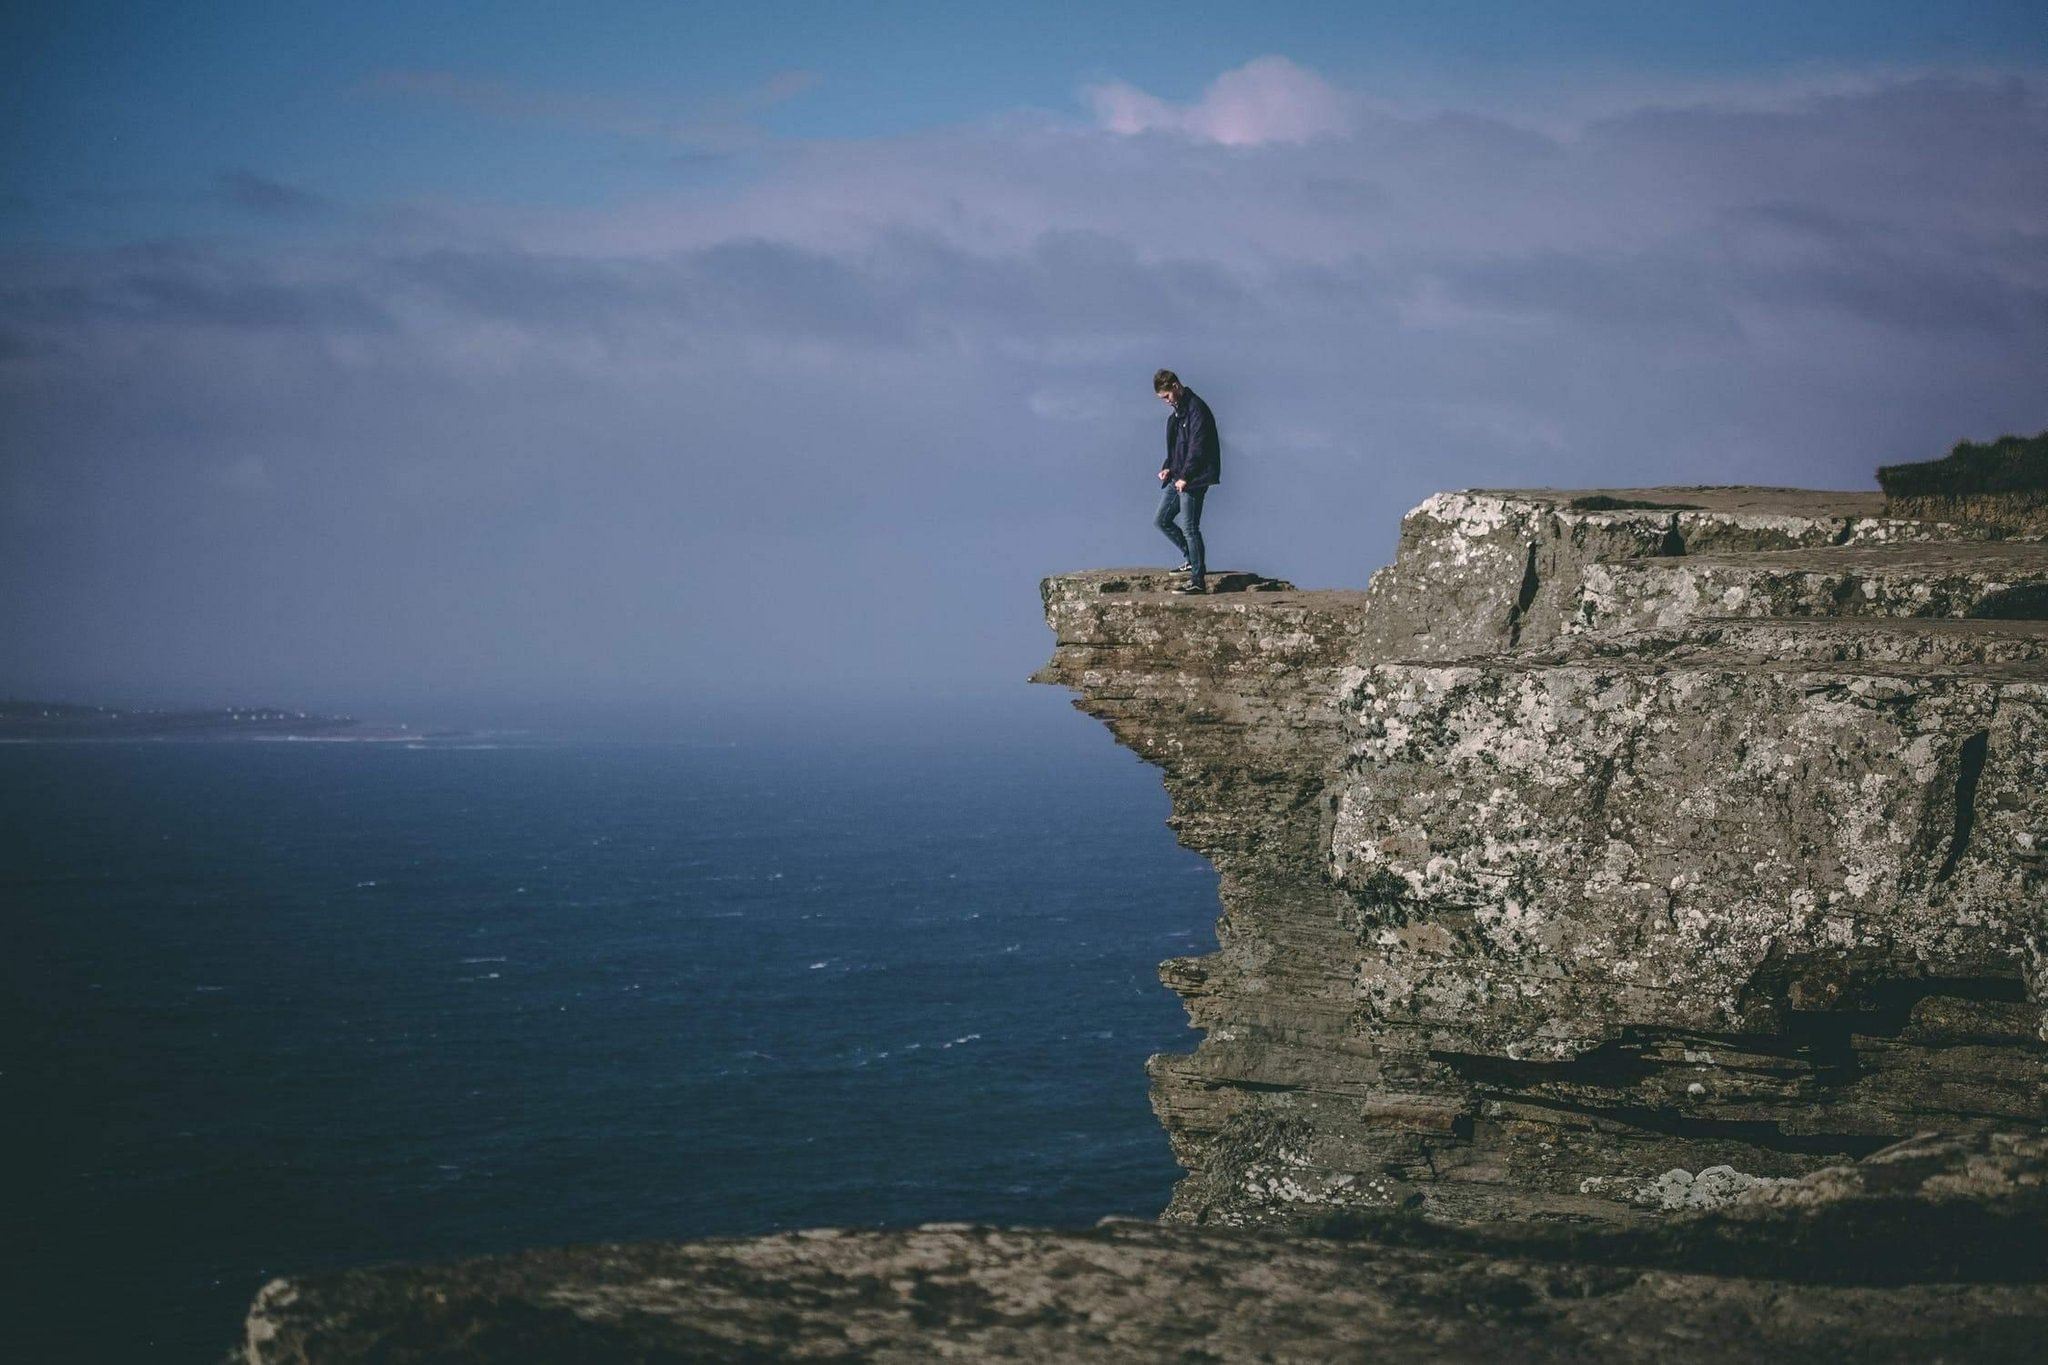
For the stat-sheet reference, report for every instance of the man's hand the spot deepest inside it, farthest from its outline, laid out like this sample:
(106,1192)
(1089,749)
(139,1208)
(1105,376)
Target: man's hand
(1181,484)
(1162,476)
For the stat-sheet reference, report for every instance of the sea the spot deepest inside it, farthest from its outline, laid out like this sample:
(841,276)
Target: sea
(276,1007)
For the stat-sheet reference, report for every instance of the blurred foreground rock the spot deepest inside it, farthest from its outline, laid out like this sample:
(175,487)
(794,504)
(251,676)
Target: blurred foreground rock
(1937,1249)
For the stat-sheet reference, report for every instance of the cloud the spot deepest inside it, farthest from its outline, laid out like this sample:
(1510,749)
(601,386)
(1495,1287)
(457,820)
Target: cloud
(1268,99)
(246,473)
(825,426)
(715,122)
(166,286)
(266,198)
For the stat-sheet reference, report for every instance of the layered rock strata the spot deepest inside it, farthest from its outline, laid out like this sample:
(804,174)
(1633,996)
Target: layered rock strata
(1613,852)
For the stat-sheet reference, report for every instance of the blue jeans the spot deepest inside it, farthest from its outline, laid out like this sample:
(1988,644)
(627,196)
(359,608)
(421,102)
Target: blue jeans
(1170,506)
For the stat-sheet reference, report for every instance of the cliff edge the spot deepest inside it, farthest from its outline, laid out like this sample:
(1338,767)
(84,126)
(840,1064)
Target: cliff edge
(1631,948)
(1615,852)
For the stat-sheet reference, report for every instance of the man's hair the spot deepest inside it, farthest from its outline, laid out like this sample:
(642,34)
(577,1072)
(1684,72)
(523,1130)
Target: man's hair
(1164,380)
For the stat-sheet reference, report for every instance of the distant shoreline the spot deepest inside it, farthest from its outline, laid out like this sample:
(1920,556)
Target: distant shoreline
(42,722)
(206,737)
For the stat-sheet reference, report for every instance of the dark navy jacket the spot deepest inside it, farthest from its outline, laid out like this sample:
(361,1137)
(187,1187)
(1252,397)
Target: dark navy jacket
(1193,450)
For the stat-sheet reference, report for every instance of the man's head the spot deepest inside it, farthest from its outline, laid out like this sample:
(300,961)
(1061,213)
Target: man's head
(1167,385)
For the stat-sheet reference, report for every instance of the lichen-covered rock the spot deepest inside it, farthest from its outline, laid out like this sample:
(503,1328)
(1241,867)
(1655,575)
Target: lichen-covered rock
(1715,1187)
(1962,644)
(1654,845)
(1895,580)
(1491,569)
(1610,844)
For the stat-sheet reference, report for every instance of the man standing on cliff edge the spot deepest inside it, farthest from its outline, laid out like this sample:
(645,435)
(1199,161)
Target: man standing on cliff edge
(1194,465)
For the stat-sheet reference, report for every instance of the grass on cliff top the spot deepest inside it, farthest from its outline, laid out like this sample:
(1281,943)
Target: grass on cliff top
(2010,464)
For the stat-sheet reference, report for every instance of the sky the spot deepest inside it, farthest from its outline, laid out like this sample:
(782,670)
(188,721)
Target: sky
(667,363)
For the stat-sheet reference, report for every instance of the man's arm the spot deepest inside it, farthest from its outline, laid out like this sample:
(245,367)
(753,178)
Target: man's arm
(1201,445)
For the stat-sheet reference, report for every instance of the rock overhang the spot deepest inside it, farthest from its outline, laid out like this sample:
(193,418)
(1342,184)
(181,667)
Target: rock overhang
(1463,854)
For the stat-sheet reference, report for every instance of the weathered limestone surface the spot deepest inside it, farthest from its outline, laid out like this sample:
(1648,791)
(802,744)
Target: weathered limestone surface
(1984,580)
(1966,644)
(1615,852)
(1935,1250)
(1490,568)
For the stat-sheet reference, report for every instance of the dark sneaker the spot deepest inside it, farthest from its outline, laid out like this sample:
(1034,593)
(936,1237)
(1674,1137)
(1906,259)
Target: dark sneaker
(1191,590)
(1181,567)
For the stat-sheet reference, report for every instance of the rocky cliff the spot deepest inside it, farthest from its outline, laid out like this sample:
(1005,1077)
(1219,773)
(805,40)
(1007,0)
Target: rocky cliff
(1613,852)
(1631,948)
